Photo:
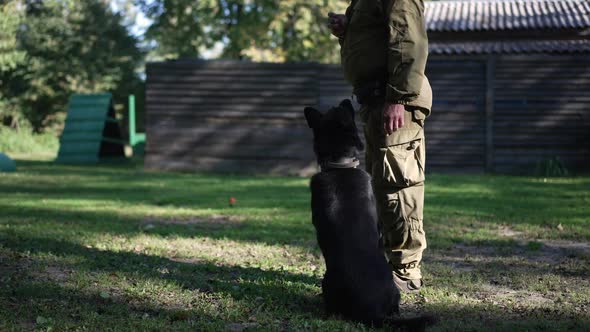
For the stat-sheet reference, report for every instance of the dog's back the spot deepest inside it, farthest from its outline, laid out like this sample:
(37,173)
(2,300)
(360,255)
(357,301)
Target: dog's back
(357,283)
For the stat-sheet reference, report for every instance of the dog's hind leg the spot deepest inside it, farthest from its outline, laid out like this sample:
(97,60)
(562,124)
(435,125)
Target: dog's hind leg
(329,295)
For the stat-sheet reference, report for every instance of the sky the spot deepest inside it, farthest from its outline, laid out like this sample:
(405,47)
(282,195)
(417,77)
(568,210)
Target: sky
(141,22)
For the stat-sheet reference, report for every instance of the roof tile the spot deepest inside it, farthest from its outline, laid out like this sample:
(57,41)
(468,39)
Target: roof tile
(480,15)
(511,47)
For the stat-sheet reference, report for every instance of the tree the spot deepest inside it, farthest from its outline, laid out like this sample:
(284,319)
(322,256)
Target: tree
(11,16)
(271,30)
(299,30)
(71,46)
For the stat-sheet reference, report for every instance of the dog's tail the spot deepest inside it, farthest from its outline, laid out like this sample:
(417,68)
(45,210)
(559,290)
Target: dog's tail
(419,323)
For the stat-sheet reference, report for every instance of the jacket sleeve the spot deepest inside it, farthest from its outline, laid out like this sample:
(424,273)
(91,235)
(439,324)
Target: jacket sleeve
(348,15)
(408,49)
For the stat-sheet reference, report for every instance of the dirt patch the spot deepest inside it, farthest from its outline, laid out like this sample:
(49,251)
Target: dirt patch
(51,273)
(497,293)
(209,222)
(474,251)
(570,248)
(239,327)
(517,256)
(18,267)
(27,326)
(189,260)
(515,278)
(514,304)
(57,273)
(462,256)
(550,246)
(506,231)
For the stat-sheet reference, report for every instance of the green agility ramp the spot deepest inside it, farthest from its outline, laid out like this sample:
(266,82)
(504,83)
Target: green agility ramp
(91,131)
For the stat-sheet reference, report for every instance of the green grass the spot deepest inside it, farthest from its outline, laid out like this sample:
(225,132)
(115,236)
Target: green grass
(116,248)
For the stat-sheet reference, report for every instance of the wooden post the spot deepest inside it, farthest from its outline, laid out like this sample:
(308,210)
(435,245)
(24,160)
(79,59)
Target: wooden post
(489,116)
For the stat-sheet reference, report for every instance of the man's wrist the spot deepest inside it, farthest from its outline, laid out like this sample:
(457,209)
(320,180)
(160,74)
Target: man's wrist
(395,96)
(396,102)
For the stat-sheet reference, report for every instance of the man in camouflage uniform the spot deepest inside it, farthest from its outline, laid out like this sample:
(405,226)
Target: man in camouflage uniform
(384,49)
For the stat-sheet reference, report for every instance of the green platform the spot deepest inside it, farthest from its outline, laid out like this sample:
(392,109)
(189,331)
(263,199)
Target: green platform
(91,132)
(6,164)
(136,140)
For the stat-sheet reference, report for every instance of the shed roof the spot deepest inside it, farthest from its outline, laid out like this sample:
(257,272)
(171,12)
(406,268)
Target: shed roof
(482,15)
(511,47)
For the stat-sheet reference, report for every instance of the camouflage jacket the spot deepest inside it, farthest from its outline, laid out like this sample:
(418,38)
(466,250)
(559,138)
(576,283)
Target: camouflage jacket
(386,40)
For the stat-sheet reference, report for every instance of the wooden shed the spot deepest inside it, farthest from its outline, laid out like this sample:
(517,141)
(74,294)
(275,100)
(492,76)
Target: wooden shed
(510,82)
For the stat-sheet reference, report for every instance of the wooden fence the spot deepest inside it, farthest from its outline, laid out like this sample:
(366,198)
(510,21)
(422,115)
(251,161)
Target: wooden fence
(500,114)
(541,110)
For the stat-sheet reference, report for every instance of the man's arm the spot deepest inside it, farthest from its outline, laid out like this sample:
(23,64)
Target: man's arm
(407,54)
(408,49)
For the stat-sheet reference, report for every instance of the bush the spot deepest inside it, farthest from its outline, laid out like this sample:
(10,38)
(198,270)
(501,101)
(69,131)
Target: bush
(63,47)
(24,141)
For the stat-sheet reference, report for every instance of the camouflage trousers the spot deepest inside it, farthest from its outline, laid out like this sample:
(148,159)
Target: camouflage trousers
(396,164)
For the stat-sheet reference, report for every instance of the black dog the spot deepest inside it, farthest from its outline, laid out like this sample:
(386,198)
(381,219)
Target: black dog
(358,283)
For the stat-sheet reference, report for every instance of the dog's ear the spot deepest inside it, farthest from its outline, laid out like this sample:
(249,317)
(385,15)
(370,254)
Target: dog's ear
(312,116)
(347,105)
(346,113)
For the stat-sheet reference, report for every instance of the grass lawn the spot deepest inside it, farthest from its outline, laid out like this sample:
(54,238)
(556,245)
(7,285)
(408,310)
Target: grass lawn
(116,248)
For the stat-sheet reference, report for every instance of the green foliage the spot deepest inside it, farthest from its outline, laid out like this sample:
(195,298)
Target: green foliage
(178,27)
(71,46)
(10,19)
(11,16)
(269,30)
(299,30)
(24,141)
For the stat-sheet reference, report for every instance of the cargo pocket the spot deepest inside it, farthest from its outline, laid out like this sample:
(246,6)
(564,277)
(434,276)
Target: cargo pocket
(403,164)
(401,230)
(395,227)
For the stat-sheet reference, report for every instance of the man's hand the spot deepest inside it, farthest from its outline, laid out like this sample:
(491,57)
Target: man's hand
(393,117)
(337,24)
